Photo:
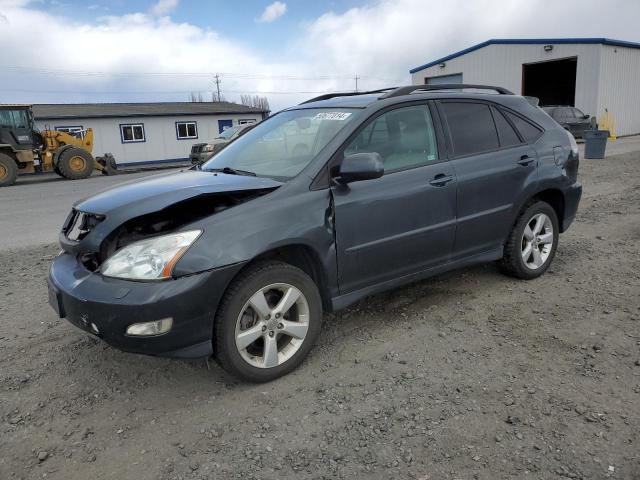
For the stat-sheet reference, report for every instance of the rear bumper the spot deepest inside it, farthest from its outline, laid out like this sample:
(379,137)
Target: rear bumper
(572,197)
(105,307)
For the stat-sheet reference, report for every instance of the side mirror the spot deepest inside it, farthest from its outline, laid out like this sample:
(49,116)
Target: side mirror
(360,166)
(585,116)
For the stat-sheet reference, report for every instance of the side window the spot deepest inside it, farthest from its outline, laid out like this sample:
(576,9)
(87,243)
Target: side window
(13,119)
(529,132)
(76,131)
(403,137)
(471,127)
(186,130)
(578,114)
(506,133)
(130,133)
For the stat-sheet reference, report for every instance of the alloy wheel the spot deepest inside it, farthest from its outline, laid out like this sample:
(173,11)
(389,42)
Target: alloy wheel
(272,325)
(77,163)
(537,241)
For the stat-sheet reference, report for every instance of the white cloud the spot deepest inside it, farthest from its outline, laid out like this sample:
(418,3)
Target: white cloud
(163,7)
(386,39)
(272,12)
(380,43)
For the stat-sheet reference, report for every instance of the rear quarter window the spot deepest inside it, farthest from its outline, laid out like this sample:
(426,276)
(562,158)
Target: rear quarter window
(471,127)
(508,136)
(527,130)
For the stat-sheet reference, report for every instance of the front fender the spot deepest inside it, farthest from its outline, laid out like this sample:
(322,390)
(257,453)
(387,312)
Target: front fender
(247,231)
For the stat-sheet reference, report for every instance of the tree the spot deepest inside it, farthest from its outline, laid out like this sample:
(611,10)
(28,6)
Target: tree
(255,101)
(196,97)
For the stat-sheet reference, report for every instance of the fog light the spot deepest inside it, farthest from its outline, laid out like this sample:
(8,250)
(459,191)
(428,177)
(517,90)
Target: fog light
(150,328)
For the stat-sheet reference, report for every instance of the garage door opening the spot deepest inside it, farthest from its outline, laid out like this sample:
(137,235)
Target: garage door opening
(443,79)
(553,82)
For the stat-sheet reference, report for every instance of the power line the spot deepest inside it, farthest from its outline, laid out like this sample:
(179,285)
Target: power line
(248,76)
(150,92)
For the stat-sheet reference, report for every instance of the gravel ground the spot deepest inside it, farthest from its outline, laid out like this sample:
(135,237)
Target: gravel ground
(470,375)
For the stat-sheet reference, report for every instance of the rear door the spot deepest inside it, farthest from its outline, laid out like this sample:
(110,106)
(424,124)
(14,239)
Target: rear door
(493,166)
(403,222)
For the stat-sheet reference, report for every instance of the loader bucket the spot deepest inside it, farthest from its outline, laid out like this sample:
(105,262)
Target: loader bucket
(107,164)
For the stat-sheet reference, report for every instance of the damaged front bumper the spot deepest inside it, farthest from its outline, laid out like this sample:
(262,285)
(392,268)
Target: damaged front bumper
(105,307)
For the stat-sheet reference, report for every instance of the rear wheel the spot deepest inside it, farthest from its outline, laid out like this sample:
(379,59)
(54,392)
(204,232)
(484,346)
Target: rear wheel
(75,164)
(267,322)
(8,170)
(532,242)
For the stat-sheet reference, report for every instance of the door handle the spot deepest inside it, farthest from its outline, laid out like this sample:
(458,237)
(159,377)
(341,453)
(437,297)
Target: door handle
(441,180)
(525,160)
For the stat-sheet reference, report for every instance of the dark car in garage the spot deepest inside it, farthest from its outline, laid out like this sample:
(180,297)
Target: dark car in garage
(571,119)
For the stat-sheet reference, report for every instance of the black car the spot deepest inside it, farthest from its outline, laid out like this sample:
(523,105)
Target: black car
(239,258)
(572,119)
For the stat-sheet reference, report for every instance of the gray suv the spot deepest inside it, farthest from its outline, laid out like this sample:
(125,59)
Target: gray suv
(239,257)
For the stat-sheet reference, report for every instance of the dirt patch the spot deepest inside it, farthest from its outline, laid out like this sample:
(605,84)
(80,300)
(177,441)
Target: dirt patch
(467,375)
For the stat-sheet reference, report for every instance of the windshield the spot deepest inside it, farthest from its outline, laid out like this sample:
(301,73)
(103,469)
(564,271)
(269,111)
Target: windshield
(281,146)
(14,119)
(228,133)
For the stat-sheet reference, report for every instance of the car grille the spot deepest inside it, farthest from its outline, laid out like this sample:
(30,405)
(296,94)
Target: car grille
(80,224)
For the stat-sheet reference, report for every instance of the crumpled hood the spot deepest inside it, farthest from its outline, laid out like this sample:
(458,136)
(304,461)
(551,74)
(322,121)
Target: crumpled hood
(166,189)
(154,194)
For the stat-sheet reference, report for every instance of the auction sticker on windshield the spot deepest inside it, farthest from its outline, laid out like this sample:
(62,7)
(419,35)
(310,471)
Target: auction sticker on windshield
(332,116)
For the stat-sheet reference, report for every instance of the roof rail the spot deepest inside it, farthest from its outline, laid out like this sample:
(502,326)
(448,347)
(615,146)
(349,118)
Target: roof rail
(445,86)
(327,96)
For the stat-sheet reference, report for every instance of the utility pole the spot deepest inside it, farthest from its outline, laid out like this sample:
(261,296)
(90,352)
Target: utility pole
(217,77)
(356,78)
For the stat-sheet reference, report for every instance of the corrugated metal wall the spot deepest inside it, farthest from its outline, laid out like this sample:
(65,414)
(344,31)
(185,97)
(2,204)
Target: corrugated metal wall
(160,142)
(620,88)
(501,65)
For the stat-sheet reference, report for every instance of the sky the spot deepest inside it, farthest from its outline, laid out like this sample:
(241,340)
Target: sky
(63,51)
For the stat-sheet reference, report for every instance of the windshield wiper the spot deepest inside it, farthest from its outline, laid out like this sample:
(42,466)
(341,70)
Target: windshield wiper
(232,171)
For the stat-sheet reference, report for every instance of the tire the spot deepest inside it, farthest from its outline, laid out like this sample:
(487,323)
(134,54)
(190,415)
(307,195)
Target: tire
(75,164)
(521,262)
(237,321)
(8,170)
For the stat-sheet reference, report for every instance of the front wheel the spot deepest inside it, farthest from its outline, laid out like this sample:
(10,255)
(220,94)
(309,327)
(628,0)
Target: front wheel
(75,164)
(267,322)
(532,242)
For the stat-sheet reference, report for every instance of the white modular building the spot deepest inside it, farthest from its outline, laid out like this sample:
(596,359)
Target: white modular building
(146,133)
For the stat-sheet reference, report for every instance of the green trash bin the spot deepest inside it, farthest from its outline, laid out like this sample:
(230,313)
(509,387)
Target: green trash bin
(595,143)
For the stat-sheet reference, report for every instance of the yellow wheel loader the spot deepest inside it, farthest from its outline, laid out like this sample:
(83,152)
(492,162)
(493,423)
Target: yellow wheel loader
(23,149)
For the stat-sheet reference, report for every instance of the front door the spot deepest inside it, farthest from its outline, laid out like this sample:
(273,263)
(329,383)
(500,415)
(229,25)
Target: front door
(403,222)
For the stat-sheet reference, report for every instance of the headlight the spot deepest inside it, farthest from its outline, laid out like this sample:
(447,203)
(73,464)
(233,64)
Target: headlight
(208,148)
(151,259)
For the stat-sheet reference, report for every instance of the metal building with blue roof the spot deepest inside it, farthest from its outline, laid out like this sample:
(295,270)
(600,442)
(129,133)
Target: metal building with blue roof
(600,76)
